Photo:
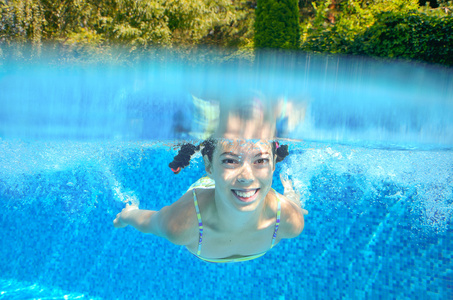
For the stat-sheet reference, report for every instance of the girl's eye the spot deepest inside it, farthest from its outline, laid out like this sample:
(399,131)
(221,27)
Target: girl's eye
(229,161)
(262,161)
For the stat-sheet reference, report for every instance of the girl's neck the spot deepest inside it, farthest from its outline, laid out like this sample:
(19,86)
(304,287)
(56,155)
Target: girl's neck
(232,219)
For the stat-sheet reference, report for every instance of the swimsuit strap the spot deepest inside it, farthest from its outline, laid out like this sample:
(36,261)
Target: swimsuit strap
(200,227)
(231,260)
(200,224)
(277,223)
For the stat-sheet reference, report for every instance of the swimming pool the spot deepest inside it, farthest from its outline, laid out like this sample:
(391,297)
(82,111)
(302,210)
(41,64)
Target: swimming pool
(375,170)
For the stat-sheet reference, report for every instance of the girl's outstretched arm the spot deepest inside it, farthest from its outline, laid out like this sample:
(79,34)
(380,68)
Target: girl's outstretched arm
(292,217)
(145,221)
(290,193)
(177,223)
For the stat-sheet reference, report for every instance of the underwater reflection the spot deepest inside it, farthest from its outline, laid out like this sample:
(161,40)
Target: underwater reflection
(251,115)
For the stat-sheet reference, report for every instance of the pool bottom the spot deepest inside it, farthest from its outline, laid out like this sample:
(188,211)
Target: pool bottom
(378,226)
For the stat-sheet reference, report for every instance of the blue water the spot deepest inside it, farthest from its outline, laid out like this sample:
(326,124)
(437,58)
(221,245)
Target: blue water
(374,172)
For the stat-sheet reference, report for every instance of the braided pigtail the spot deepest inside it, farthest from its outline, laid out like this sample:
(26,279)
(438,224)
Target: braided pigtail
(182,160)
(208,148)
(280,150)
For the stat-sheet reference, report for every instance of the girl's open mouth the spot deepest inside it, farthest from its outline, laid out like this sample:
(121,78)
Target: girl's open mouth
(246,195)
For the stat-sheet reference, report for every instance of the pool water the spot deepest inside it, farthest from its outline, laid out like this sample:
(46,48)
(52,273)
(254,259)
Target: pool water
(378,188)
(379,226)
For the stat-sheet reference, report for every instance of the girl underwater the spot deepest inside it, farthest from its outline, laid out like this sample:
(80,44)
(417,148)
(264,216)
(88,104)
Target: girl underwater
(233,214)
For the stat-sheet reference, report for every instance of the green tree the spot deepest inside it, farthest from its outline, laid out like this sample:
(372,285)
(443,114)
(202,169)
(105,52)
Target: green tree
(277,24)
(91,27)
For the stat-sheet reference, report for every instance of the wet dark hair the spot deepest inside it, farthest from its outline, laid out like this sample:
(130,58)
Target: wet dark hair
(182,159)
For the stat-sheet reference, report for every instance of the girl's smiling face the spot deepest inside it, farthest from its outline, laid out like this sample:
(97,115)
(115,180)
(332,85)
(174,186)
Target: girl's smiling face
(242,171)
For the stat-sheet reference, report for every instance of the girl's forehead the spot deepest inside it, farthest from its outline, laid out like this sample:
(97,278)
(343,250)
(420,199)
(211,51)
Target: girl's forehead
(243,146)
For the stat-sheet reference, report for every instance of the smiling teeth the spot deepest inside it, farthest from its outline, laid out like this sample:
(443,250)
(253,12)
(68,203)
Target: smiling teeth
(245,194)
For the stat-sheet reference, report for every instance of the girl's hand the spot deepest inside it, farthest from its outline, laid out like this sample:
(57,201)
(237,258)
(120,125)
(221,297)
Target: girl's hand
(118,223)
(290,193)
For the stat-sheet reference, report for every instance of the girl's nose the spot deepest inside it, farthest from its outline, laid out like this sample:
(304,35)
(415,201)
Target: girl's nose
(245,180)
(246,175)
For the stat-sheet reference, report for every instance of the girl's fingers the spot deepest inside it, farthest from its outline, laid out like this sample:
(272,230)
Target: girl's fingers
(287,184)
(130,207)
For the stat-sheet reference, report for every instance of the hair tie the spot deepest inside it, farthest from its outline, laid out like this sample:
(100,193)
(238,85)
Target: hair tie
(277,145)
(177,170)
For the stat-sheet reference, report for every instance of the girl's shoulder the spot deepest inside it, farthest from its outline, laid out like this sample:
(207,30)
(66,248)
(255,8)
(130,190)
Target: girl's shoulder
(291,218)
(203,183)
(180,220)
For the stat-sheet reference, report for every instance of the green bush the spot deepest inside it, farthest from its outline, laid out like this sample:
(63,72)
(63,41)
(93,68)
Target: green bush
(393,28)
(414,35)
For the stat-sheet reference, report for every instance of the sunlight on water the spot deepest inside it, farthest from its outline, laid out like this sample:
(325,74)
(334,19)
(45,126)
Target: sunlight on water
(12,289)
(333,99)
